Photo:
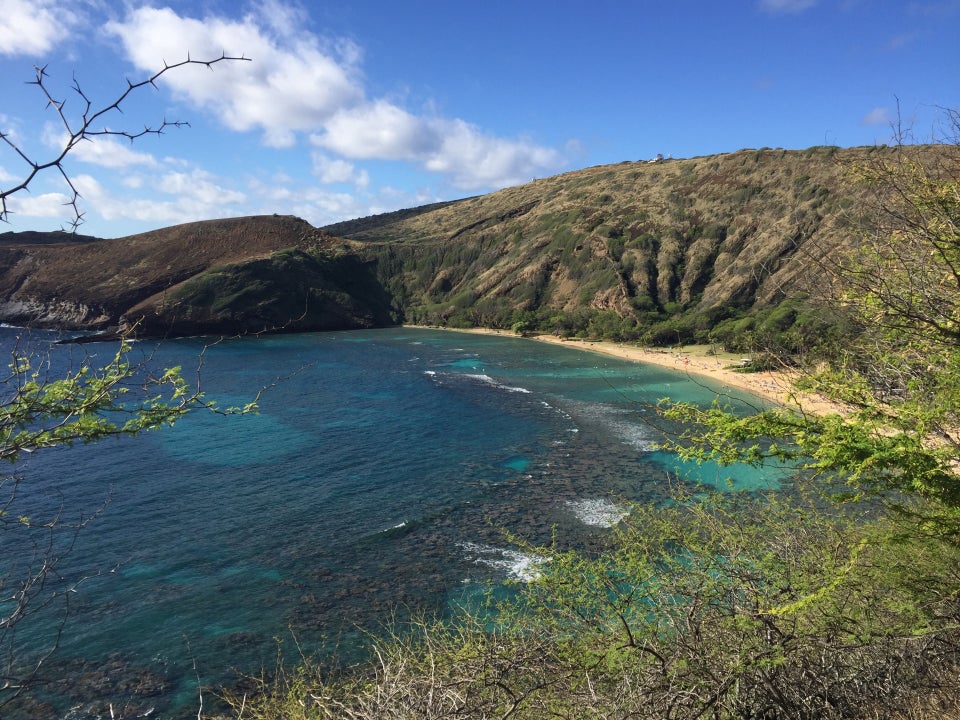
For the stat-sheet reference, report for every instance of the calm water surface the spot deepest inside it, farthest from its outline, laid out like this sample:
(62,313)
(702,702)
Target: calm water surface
(379,477)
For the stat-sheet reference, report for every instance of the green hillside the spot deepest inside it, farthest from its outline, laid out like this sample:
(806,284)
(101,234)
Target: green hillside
(699,249)
(618,251)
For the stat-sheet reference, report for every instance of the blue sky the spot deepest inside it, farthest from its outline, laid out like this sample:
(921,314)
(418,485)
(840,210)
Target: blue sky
(350,108)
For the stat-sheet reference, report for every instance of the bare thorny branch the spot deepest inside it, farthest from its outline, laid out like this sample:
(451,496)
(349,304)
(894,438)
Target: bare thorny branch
(35,587)
(88,127)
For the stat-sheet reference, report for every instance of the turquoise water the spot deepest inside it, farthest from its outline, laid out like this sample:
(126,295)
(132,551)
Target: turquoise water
(378,479)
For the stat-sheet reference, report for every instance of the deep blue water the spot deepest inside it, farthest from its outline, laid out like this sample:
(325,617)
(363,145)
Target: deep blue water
(378,478)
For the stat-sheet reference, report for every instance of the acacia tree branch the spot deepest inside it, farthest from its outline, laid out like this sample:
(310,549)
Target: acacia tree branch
(88,127)
(37,411)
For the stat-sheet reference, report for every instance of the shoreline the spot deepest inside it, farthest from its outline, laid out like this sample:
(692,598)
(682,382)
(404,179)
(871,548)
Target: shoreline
(694,361)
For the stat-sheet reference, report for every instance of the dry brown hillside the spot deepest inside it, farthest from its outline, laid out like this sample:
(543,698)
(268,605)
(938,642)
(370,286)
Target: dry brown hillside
(628,245)
(710,230)
(94,282)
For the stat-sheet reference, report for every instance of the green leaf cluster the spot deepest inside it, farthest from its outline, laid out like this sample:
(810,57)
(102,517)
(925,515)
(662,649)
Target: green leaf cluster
(41,409)
(87,404)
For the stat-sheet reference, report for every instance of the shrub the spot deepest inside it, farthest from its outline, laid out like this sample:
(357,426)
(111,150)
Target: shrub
(717,605)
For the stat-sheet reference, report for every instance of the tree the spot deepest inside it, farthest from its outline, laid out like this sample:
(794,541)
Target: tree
(86,404)
(899,377)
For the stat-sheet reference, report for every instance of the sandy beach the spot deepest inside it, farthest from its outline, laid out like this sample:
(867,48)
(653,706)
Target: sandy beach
(700,361)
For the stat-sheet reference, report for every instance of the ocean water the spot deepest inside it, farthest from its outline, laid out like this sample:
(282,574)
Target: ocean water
(380,478)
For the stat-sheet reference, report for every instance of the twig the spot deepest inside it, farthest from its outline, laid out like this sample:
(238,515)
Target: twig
(85,130)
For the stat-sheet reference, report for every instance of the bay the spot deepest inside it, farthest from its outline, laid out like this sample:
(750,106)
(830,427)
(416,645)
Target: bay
(379,478)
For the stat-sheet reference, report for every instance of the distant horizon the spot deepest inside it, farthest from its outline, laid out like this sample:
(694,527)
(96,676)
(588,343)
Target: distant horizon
(350,109)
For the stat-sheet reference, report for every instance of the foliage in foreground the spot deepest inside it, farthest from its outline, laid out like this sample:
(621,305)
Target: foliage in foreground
(899,378)
(736,606)
(716,606)
(41,409)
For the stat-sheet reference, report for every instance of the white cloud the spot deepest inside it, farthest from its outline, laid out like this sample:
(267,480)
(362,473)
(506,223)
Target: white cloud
(171,197)
(877,116)
(199,185)
(282,18)
(330,171)
(322,207)
(454,148)
(45,205)
(275,189)
(193,196)
(34,27)
(786,6)
(378,130)
(111,153)
(474,160)
(296,83)
(292,84)
(8,124)
(318,206)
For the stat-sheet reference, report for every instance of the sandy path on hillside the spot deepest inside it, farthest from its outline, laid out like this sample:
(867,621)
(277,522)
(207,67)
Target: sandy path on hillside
(696,361)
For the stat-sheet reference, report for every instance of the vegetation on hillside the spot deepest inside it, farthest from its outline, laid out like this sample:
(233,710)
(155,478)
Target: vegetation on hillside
(695,250)
(322,288)
(839,600)
(656,253)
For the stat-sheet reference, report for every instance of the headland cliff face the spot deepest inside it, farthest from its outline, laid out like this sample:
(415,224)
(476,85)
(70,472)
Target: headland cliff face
(233,275)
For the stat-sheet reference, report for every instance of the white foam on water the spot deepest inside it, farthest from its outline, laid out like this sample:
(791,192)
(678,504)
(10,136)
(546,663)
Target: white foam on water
(634,435)
(619,421)
(517,565)
(491,381)
(598,512)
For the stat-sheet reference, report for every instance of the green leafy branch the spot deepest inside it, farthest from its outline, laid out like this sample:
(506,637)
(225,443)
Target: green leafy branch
(87,404)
